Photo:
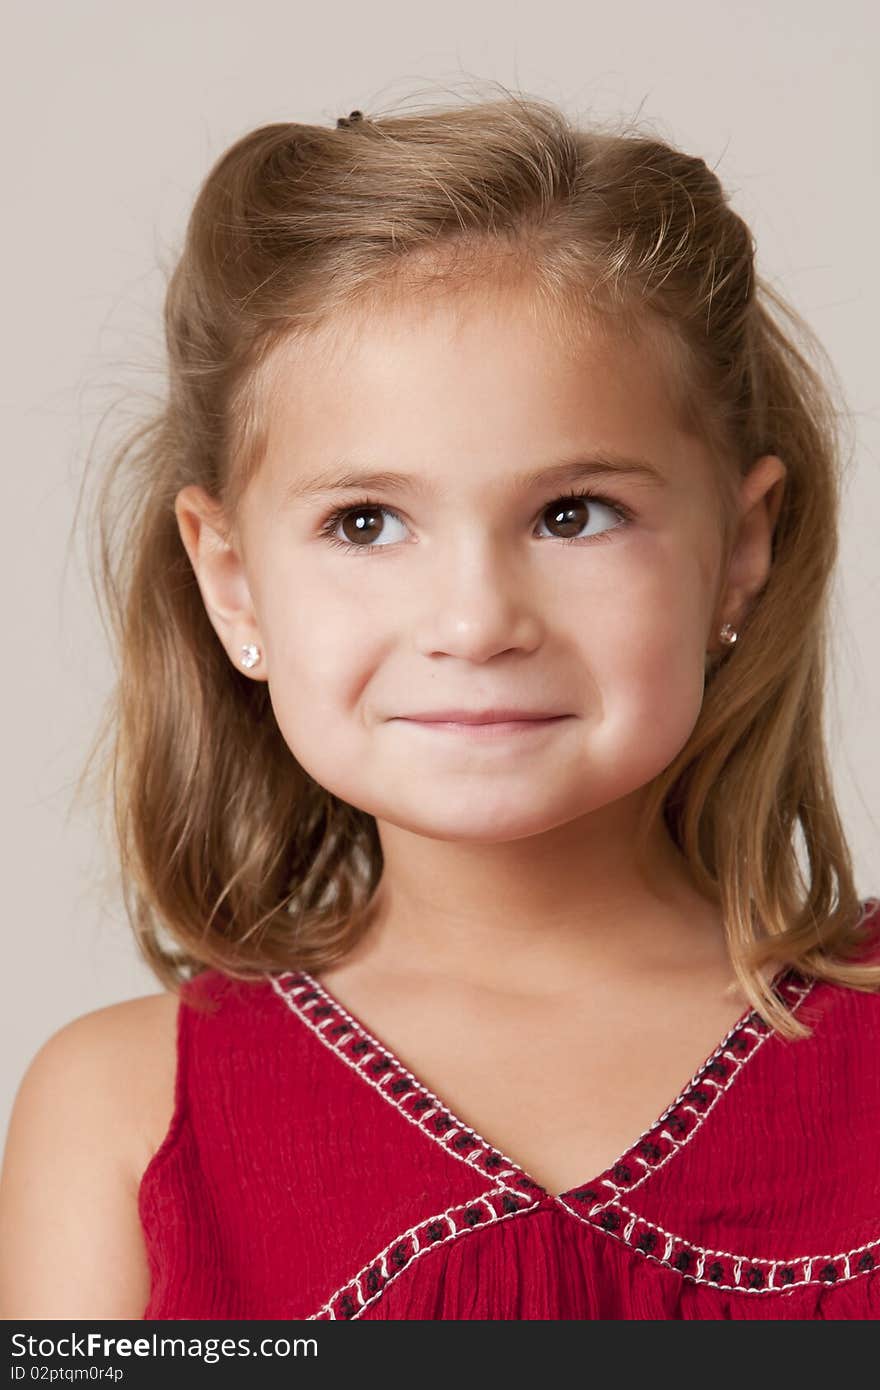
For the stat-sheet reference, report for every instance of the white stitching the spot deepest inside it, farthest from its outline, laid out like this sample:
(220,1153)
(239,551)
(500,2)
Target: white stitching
(354,1284)
(288,995)
(378,1086)
(738,1260)
(678,1144)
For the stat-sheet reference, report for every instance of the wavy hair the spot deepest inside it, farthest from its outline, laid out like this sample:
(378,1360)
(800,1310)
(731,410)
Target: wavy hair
(232,856)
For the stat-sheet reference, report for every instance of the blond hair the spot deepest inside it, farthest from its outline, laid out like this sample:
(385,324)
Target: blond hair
(232,856)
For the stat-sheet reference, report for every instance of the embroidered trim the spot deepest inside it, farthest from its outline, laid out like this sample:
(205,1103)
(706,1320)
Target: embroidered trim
(680,1121)
(725,1270)
(720,1269)
(350,1301)
(653,1148)
(694,1263)
(364,1054)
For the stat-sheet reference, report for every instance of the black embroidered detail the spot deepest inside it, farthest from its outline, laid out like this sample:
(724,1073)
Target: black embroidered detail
(585,1194)
(436,1230)
(528,1184)
(359,1047)
(442,1123)
(464,1141)
(493,1161)
(716,1068)
(676,1125)
(649,1150)
(716,1271)
(866,1262)
(828,1274)
(755,1278)
(381,1064)
(322,1011)
(473,1215)
(621,1173)
(647,1241)
(510,1203)
(373,1280)
(399,1255)
(787,1275)
(700,1097)
(401,1086)
(423,1103)
(347,1306)
(609,1221)
(683,1260)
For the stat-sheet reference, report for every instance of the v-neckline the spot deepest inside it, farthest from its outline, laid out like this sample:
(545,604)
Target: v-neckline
(380,1067)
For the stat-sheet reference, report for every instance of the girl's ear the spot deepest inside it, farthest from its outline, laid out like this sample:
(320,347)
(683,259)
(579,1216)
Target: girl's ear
(760,499)
(219,570)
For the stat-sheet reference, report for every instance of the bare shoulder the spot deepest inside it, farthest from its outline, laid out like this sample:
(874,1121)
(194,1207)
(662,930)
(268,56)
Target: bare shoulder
(92,1107)
(138,1040)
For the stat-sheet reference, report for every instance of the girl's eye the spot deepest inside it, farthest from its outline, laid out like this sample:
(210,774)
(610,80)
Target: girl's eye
(569,513)
(572,512)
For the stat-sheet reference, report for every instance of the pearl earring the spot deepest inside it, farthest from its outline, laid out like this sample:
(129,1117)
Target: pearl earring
(250,655)
(728,634)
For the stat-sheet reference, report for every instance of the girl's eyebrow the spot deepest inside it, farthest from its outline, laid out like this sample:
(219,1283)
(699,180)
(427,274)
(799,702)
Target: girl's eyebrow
(345,477)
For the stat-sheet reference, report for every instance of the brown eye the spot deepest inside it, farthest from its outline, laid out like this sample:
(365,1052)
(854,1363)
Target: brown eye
(362,524)
(568,514)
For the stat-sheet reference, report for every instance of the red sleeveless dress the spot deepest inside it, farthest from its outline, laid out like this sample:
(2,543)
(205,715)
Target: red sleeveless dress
(307,1173)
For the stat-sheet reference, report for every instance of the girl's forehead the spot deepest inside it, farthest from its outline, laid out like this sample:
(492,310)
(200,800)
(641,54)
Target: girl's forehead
(486,358)
(402,326)
(488,386)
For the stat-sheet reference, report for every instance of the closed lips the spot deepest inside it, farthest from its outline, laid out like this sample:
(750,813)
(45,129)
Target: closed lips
(487,716)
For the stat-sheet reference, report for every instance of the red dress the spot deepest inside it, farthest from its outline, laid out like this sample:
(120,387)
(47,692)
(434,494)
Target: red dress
(307,1174)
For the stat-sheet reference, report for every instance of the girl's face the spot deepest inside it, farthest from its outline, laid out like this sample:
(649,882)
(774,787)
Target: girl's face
(470,586)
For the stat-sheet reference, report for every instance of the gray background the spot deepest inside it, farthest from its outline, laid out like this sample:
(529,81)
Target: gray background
(112,114)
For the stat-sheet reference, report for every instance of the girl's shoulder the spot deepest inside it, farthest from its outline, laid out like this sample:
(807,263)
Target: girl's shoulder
(129,1051)
(141,1034)
(88,1112)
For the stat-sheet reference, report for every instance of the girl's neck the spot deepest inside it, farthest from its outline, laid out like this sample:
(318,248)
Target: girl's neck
(658,932)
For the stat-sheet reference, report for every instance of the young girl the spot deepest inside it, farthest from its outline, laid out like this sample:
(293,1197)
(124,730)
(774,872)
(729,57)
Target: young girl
(473,619)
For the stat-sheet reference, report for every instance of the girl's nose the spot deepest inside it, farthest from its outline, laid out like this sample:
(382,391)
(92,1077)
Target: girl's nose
(478,611)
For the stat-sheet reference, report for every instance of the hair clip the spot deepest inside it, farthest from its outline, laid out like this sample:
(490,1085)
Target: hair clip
(350,119)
